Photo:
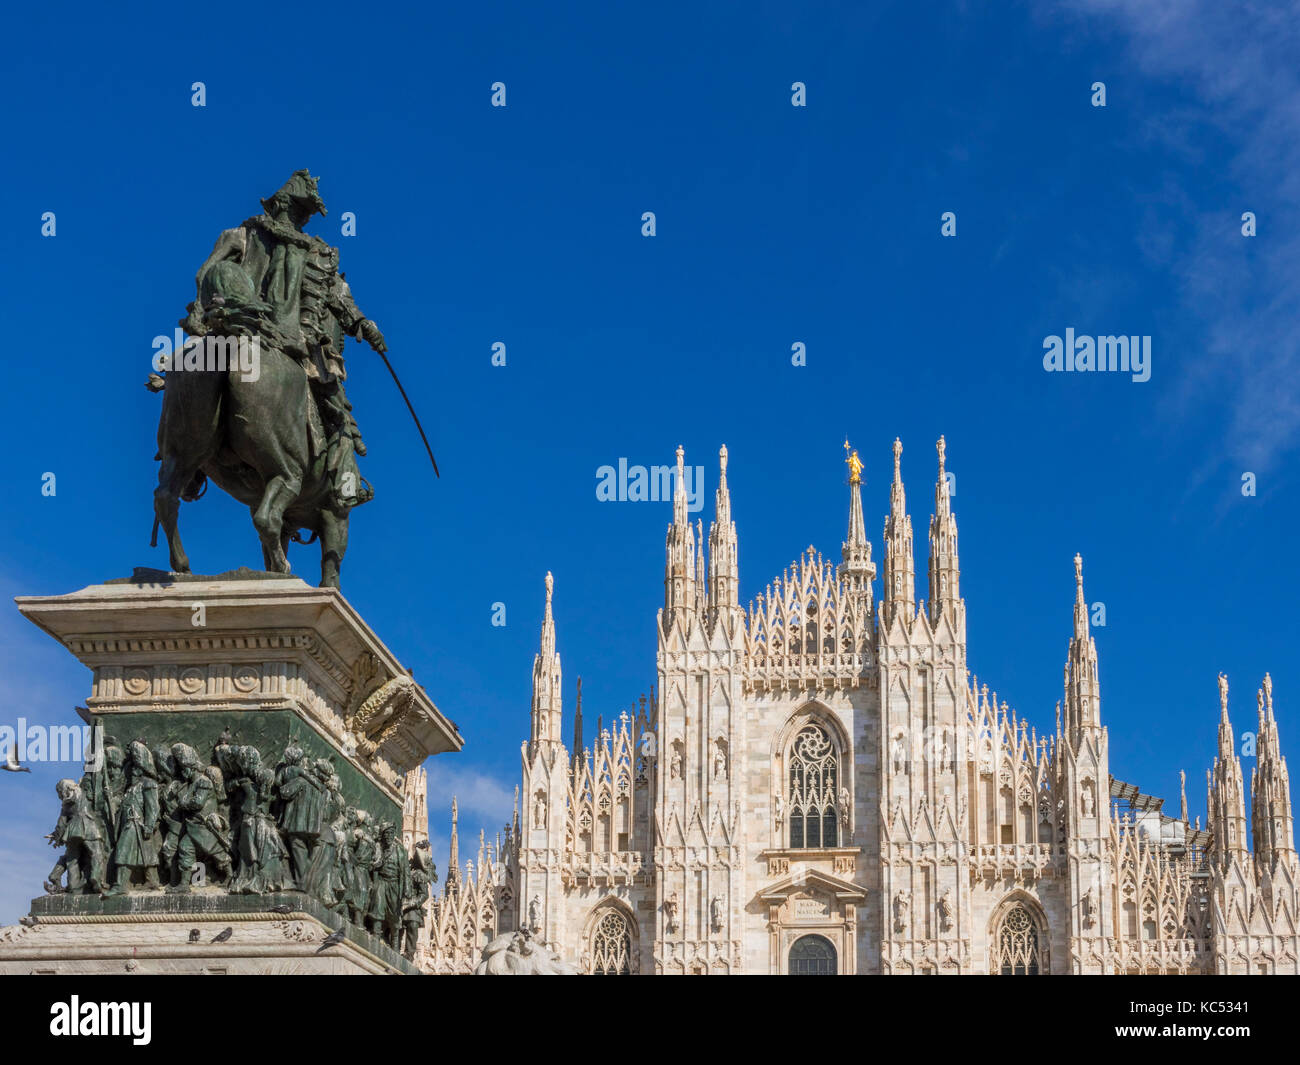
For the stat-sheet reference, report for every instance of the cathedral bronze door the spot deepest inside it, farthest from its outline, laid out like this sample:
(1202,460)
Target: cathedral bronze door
(812,956)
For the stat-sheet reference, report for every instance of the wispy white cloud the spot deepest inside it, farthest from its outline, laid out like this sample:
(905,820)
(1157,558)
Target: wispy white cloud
(478,794)
(1238,60)
(485,803)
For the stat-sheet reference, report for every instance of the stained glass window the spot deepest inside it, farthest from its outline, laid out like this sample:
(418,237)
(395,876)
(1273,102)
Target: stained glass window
(814,784)
(611,946)
(1017,944)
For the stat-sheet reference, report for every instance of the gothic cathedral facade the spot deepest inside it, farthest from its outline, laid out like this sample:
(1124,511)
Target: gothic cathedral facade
(819,785)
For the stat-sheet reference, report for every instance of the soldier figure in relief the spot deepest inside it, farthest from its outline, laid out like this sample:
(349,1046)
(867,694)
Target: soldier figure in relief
(302,795)
(391,886)
(324,877)
(413,909)
(169,825)
(136,850)
(263,859)
(365,860)
(205,834)
(78,830)
(104,787)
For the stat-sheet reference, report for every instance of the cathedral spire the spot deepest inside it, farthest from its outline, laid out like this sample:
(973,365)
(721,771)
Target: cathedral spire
(1228,791)
(1082,690)
(415,811)
(546,682)
(679,490)
(724,570)
(857,570)
(679,569)
(1225,725)
(453,862)
(1080,604)
(1270,788)
(899,597)
(577,726)
(701,582)
(944,571)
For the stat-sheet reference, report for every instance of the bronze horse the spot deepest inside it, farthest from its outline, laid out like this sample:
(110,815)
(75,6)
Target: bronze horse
(263,433)
(252,439)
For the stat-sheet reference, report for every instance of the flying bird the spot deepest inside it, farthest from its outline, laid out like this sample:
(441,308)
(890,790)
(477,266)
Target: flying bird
(331,940)
(11,762)
(223,935)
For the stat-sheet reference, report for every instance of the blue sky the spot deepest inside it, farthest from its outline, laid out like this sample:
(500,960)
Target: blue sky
(775,225)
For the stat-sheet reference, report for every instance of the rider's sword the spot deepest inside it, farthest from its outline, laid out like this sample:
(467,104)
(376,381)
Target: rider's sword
(398,383)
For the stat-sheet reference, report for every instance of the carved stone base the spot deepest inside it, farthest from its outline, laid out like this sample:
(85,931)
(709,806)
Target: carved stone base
(242,662)
(199,654)
(156,933)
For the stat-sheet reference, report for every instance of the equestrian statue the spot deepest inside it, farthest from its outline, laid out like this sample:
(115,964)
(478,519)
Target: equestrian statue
(254,399)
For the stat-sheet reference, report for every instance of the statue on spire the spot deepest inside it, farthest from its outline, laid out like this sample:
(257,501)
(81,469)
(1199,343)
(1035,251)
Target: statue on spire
(854,463)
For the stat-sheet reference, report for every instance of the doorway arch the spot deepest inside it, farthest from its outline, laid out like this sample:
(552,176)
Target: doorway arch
(812,956)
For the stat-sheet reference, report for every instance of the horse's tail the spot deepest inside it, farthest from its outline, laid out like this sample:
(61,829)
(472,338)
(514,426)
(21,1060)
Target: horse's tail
(197,487)
(153,536)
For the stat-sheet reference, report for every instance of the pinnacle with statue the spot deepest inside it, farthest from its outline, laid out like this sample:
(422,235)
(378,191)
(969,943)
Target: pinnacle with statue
(854,463)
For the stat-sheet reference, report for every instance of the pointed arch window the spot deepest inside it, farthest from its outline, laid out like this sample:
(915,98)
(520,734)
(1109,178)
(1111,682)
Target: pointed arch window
(1017,944)
(813,793)
(611,945)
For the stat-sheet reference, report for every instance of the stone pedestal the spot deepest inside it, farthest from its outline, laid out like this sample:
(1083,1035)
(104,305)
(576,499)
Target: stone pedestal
(174,934)
(268,661)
